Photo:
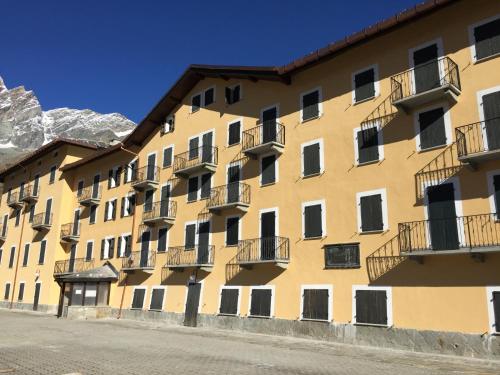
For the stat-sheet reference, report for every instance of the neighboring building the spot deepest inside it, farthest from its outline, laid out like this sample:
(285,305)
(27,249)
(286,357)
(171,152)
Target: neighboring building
(356,186)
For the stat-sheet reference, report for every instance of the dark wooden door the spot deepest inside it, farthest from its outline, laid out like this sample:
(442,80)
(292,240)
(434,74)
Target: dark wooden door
(145,238)
(426,68)
(192,304)
(151,167)
(442,217)
(95,186)
(269,125)
(36,298)
(165,197)
(491,110)
(203,242)
(268,235)
(233,185)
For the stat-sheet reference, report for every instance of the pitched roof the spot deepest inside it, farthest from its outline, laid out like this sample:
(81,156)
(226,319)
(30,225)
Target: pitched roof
(106,272)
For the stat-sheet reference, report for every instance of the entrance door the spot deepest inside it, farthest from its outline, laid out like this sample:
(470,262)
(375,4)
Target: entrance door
(36,298)
(426,65)
(442,217)
(233,186)
(145,238)
(269,125)
(95,187)
(151,167)
(491,110)
(72,257)
(192,305)
(164,199)
(207,151)
(203,242)
(268,235)
(76,223)
(48,211)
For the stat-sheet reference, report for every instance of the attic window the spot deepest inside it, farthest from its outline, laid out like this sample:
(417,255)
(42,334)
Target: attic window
(169,125)
(195,103)
(233,94)
(209,96)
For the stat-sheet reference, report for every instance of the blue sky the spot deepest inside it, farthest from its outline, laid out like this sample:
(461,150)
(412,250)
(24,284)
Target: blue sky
(122,56)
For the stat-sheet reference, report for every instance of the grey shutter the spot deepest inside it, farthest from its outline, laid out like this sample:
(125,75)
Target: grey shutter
(79,189)
(12,254)
(20,296)
(119,247)
(228,96)
(167,157)
(118,176)
(496,185)
(162,240)
(261,302)
(106,207)
(268,169)
(192,189)
(148,200)
(432,128)
(487,38)
(110,177)
(496,310)
(88,254)
(236,94)
(131,203)
(157,299)
(111,252)
(190,236)
(194,148)
(26,255)
(364,83)
(7,291)
(234,133)
(92,216)
(312,159)
(205,185)
(371,307)
(371,213)
(315,304)
(122,207)
(313,221)
(113,215)
(41,256)
(195,103)
(491,109)
(128,246)
(232,231)
(209,97)
(367,145)
(102,248)
(310,105)
(138,299)
(229,301)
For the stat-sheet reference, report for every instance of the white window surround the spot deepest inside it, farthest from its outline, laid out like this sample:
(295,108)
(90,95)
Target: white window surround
(240,120)
(163,155)
(447,125)
(276,169)
(144,299)
(239,288)
(239,228)
(491,189)
(200,302)
(320,103)
(380,138)
(491,312)
(480,95)
(273,297)
(376,83)
(329,287)
(121,250)
(161,287)
(388,292)
(321,155)
(322,202)
(385,215)
(166,124)
(472,39)
(276,217)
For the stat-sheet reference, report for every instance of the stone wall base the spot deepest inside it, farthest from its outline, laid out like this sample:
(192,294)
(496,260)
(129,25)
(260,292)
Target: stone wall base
(47,309)
(87,312)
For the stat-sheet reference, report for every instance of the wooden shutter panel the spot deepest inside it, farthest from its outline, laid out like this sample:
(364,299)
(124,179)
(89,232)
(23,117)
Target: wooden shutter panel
(118,176)
(41,256)
(167,157)
(122,208)
(310,105)
(496,185)
(432,128)
(232,231)
(268,170)
(367,145)
(313,221)
(487,39)
(312,159)
(234,133)
(193,148)
(315,304)
(157,299)
(229,301)
(371,307)
(205,185)
(365,85)
(111,248)
(236,94)
(128,246)
(190,236)
(228,96)
(113,215)
(131,204)
(88,254)
(119,247)
(496,310)
(106,207)
(371,213)
(192,188)
(162,240)
(261,302)
(103,241)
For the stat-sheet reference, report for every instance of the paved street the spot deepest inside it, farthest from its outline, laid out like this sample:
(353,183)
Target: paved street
(40,344)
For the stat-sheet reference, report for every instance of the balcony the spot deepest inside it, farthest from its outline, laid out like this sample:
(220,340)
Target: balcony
(70,232)
(231,196)
(64,267)
(432,81)
(13,201)
(275,250)
(3,231)
(90,196)
(162,212)
(479,141)
(146,177)
(30,194)
(139,261)
(473,234)
(42,221)
(181,257)
(197,160)
(264,138)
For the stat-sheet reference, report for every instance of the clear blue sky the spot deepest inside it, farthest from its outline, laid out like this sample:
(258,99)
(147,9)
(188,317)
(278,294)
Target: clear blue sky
(122,56)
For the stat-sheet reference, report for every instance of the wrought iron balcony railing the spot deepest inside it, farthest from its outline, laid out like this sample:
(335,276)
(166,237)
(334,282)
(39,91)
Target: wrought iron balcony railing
(233,195)
(42,221)
(13,200)
(139,260)
(385,258)
(160,212)
(266,137)
(145,177)
(90,196)
(30,193)
(478,141)
(197,256)
(62,267)
(70,232)
(263,250)
(196,160)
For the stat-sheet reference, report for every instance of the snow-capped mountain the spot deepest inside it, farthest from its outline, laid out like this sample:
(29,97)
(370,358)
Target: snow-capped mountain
(24,126)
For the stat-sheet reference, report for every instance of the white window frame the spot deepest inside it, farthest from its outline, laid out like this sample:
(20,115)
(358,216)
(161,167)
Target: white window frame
(329,287)
(225,229)
(479,96)
(491,310)
(385,214)
(109,213)
(376,83)
(276,169)
(167,239)
(388,293)
(321,202)
(472,39)
(162,287)
(439,42)
(491,190)
(381,156)
(86,248)
(321,156)
(240,120)
(276,222)
(239,288)
(128,170)
(447,125)
(163,156)
(107,241)
(145,288)
(273,298)
(320,104)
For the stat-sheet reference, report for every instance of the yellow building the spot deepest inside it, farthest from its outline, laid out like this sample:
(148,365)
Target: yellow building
(351,190)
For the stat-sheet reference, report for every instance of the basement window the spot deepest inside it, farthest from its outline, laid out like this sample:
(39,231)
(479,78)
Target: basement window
(157,295)
(138,297)
(342,255)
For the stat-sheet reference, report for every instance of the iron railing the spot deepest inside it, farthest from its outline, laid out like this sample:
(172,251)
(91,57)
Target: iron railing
(70,230)
(89,193)
(264,133)
(476,138)
(196,157)
(73,265)
(30,192)
(42,219)
(139,260)
(380,116)
(425,77)
(236,192)
(182,256)
(258,250)
(384,259)
(13,199)
(149,173)
(161,209)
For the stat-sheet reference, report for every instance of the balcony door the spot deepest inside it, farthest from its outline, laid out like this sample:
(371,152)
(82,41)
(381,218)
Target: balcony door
(48,211)
(491,110)
(164,199)
(442,215)
(426,73)
(203,242)
(268,235)
(151,170)
(95,186)
(269,117)
(145,239)
(72,258)
(233,186)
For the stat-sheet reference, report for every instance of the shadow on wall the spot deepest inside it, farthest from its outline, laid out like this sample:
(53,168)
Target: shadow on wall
(259,274)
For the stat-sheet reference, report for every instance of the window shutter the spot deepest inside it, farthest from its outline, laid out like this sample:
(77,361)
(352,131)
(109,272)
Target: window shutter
(371,213)
(312,159)
(310,105)
(157,299)
(106,208)
(118,175)
(131,203)
(261,302)
(110,177)
(268,169)
(195,103)
(88,255)
(102,248)
(496,184)
(113,215)
(111,248)
(371,307)
(162,240)
(209,97)
(315,304)
(193,148)
(192,189)
(234,133)
(367,145)
(167,157)
(496,310)
(43,247)
(236,94)
(229,301)
(432,128)
(190,236)
(312,221)
(487,38)
(228,96)
(119,247)
(364,83)
(232,231)
(205,185)
(122,208)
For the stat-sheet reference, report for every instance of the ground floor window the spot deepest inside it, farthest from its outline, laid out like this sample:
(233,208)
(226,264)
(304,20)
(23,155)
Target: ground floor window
(229,301)
(157,295)
(316,302)
(138,296)
(372,305)
(262,302)
(88,294)
(494,308)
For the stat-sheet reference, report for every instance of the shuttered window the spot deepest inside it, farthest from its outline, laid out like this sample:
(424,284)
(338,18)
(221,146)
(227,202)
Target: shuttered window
(89,250)
(234,133)
(43,249)
(190,236)
(192,189)
(20,295)
(138,298)
(232,94)
(195,103)
(311,159)
(157,299)
(371,307)
(342,256)
(209,97)
(310,105)
(194,148)
(18,218)
(52,176)
(232,235)
(148,200)
(167,157)
(487,39)
(1,255)
(268,168)
(367,140)
(261,302)
(206,185)
(496,185)
(7,291)
(162,239)
(364,84)
(92,214)
(229,301)
(80,188)
(432,128)
(371,213)
(12,254)
(315,304)
(313,223)
(32,213)
(26,254)
(496,310)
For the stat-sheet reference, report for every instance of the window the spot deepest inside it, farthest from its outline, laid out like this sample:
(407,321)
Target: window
(199,187)
(234,133)
(130,171)
(485,38)
(89,251)
(114,177)
(20,294)
(7,291)
(268,170)
(169,125)
(138,298)
(18,217)
(195,103)
(3,232)
(89,294)
(372,210)
(92,214)
(314,219)
(192,189)
(316,302)
(342,255)
(233,94)
(372,305)
(43,249)
(124,245)
(261,301)
(107,248)
(431,128)
(229,300)
(310,105)
(368,145)
(493,178)
(79,189)
(312,158)
(162,239)
(52,176)
(493,295)
(365,83)
(232,230)
(110,210)
(32,213)
(190,236)
(26,254)
(209,96)
(206,185)
(128,205)
(12,255)
(157,295)
(168,155)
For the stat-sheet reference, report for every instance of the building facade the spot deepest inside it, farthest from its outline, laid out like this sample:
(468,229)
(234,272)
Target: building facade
(354,189)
